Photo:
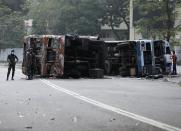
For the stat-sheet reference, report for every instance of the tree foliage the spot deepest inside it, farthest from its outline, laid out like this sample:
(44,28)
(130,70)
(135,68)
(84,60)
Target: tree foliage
(15,5)
(116,13)
(156,19)
(66,16)
(11,24)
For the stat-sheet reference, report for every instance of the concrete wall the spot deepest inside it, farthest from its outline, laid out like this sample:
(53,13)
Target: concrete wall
(4,53)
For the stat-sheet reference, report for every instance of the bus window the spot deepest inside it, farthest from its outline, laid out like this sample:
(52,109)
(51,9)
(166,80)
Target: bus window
(148,46)
(168,50)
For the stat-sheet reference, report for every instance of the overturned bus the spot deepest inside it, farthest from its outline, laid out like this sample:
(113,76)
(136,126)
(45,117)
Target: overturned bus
(158,52)
(138,58)
(64,56)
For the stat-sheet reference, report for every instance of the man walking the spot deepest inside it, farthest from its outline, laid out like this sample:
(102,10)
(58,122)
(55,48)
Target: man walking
(12,59)
(174,59)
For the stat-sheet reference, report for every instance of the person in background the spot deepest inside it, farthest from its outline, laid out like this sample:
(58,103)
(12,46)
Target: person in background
(30,63)
(12,59)
(174,60)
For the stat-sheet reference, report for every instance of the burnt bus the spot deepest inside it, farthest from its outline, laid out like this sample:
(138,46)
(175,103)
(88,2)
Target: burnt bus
(138,58)
(64,56)
(155,57)
(121,58)
(48,52)
(84,56)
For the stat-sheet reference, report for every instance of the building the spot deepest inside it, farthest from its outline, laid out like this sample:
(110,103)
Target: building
(107,33)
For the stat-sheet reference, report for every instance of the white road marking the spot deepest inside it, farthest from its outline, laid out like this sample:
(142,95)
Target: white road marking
(113,109)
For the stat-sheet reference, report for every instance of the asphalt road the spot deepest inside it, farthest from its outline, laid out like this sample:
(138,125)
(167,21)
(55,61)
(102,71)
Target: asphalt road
(110,104)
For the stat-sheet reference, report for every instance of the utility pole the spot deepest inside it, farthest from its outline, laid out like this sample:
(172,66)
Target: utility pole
(131,28)
(28,26)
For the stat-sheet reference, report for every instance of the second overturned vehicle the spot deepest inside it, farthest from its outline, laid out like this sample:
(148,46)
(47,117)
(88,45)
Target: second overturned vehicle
(138,58)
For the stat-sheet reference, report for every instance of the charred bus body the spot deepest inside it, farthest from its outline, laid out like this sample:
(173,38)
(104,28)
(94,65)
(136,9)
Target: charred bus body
(121,56)
(138,58)
(64,56)
(162,56)
(155,57)
(48,53)
(84,56)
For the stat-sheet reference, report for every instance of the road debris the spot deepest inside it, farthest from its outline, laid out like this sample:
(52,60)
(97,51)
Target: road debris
(52,119)
(20,115)
(112,119)
(74,119)
(29,127)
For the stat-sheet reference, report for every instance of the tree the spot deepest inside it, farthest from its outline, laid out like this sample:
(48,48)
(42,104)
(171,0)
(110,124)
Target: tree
(66,16)
(116,12)
(15,5)
(11,26)
(156,19)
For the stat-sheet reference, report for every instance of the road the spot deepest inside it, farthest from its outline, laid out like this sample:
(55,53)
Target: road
(110,104)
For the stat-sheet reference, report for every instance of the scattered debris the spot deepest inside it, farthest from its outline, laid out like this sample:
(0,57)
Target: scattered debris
(74,119)
(154,76)
(112,119)
(52,119)
(20,115)
(27,102)
(166,79)
(29,127)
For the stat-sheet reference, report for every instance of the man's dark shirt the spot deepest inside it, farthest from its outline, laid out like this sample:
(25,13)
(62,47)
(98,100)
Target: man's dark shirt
(11,58)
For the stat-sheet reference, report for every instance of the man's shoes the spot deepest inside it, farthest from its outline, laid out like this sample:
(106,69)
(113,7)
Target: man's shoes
(12,79)
(7,79)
